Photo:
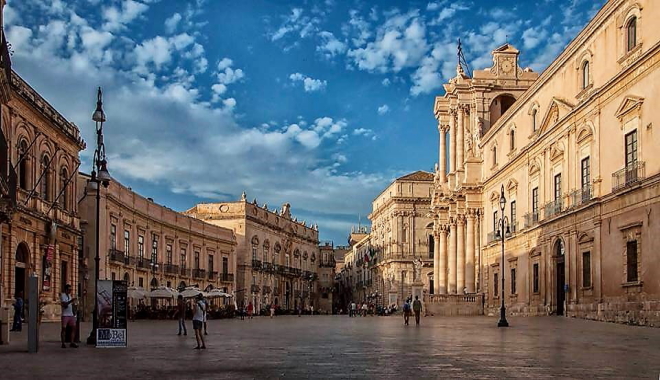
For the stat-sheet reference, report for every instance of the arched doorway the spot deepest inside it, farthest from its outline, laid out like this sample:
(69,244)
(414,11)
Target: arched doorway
(560,275)
(499,106)
(22,261)
(127,278)
(154,283)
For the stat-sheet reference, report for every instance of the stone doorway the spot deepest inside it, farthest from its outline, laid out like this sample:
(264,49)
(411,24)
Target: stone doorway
(560,276)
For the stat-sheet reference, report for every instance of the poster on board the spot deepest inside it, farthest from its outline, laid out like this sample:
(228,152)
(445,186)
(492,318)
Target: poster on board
(112,314)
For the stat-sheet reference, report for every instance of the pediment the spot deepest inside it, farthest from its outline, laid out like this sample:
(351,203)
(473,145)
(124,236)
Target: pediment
(534,167)
(512,185)
(494,196)
(630,103)
(584,134)
(585,238)
(556,110)
(556,151)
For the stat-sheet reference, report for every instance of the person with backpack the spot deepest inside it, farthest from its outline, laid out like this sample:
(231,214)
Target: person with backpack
(406,313)
(417,308)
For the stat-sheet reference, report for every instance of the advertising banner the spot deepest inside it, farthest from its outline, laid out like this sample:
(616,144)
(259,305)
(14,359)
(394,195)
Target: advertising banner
(112,315)
(48,267)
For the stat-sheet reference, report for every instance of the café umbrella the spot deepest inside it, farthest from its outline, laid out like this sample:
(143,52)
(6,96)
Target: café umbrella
(191,292)
(136,293)
(163,292)
(217,293)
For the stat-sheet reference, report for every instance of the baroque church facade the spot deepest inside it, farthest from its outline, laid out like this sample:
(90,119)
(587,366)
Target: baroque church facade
(566,159)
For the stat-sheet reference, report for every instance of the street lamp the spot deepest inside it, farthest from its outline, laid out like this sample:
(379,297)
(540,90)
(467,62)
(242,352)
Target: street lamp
(504,221)
(100,176)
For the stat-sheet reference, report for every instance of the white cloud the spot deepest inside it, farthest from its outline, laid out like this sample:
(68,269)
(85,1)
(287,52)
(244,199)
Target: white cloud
(117,18)
(156,50)
(309,84)
(382,110)
(449,11)
(386,82)
(330,45)
(296,21)
(533,36)
(224,63)
(172,22)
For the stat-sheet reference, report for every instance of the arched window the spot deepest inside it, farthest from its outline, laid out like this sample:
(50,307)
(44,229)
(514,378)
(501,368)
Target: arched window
(23,166)
(512,139)
(266,251)
(45,178)
(631,29)
(534,123)
(64,198)
(494,155)
(585,75)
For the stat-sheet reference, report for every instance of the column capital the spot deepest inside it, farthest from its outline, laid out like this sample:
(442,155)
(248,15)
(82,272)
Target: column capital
(460,219)
(453,111)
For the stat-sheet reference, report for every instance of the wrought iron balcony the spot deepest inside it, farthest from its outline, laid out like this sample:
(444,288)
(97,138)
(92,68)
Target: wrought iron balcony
(256,264)
(226,277)
(266,289)
(116,256)
(581,196)
(213,275)
(142,263)
(255,289)
(628,176)
(199,273)
(185,272)
(267,267)
(171,269)
(553,208)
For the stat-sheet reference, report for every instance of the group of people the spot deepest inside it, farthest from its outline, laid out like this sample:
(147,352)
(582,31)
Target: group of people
(360,310)
(415,308)
(199,319)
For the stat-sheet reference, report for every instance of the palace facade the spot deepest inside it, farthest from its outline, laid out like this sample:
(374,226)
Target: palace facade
(149,245)
(572,151)
(277,256)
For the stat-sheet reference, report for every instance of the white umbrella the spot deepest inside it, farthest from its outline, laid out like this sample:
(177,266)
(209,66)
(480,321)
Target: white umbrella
(191,292)
(163,292)
(213,293)
(137,293)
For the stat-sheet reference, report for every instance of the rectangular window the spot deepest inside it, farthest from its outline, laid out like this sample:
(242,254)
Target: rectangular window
(495,285)
(113,276)
(140,247)
(558,187)
(154,249)
(535,278)
(513,280)
(210,268)
(494,156)
(535,200)
(585,176)
(586,269)
(254,252)
(183,259)
(265,253)
(113,237)
(64,274)
(631,261)
(168,251)
(631,148)
(141,282)
(495,224)
(196,259)
(225,265)
(513,216)
(127,242)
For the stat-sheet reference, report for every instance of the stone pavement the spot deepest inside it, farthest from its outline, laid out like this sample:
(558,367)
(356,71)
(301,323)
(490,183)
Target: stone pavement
(325,347)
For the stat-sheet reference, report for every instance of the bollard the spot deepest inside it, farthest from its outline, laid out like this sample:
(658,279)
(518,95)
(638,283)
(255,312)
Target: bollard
(33,320)
(5,324)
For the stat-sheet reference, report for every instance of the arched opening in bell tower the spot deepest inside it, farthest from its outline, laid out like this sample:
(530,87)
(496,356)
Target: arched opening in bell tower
(499,106)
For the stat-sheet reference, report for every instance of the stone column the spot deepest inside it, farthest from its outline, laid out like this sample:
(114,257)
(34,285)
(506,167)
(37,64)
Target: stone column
(436,263)
(442,261)
(460,254)
(452,141)
(451,283)
(477,248)
(469,258)
(443,153)
(460,137)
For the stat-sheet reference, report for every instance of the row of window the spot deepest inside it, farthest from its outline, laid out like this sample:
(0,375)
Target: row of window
(301,261)
(169,260)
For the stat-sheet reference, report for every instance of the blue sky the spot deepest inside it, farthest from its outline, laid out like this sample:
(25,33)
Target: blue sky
(317,103)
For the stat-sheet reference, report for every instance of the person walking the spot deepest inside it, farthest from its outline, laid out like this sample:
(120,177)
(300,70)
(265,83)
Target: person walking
(417,308)
(181,311)
(198,321)
(353,309)
(68,318)
(18,312)
(250,309)
(241,311)
(364,309)
(406,313)
(272,310)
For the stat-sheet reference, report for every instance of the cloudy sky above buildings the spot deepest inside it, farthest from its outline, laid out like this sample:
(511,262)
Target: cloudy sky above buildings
(317,103)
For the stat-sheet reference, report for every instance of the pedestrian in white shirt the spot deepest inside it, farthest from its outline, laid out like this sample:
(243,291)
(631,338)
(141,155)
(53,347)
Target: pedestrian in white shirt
(68,318)
(198,322)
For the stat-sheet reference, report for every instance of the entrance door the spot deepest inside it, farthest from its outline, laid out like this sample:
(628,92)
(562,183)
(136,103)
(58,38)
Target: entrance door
(561,294)
(19,282)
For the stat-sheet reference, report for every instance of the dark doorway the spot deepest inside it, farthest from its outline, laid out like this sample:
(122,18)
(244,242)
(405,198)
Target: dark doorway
(19,283)
(561,294)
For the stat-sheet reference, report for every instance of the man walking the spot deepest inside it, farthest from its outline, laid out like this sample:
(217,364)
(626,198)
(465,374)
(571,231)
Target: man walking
(353,309)
(181,310)
(417,308)
(198,322)
(18,312)
(406,313)
(68,319)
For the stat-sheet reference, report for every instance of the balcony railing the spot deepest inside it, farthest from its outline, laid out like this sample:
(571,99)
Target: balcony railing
(492,236)
(128,260)
(116,256)
(266,289)
(267,267)
(199,273)
(531,219)
(628,176)
(553,208)
(213,275)
(143,263)
(171,269)
(581,196)
(256,264)
(185,272)
(226,277)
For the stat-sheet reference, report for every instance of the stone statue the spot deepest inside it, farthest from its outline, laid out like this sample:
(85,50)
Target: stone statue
(286,210)
(469,142)
(243,197)
(417,264)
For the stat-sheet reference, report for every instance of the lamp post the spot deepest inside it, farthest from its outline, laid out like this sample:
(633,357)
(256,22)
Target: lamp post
(502,222)
(100,176)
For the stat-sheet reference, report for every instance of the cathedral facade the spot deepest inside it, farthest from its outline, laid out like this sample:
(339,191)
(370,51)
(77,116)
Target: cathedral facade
(560,166)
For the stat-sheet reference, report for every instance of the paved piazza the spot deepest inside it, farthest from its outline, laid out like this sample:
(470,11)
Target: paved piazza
(324,347)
